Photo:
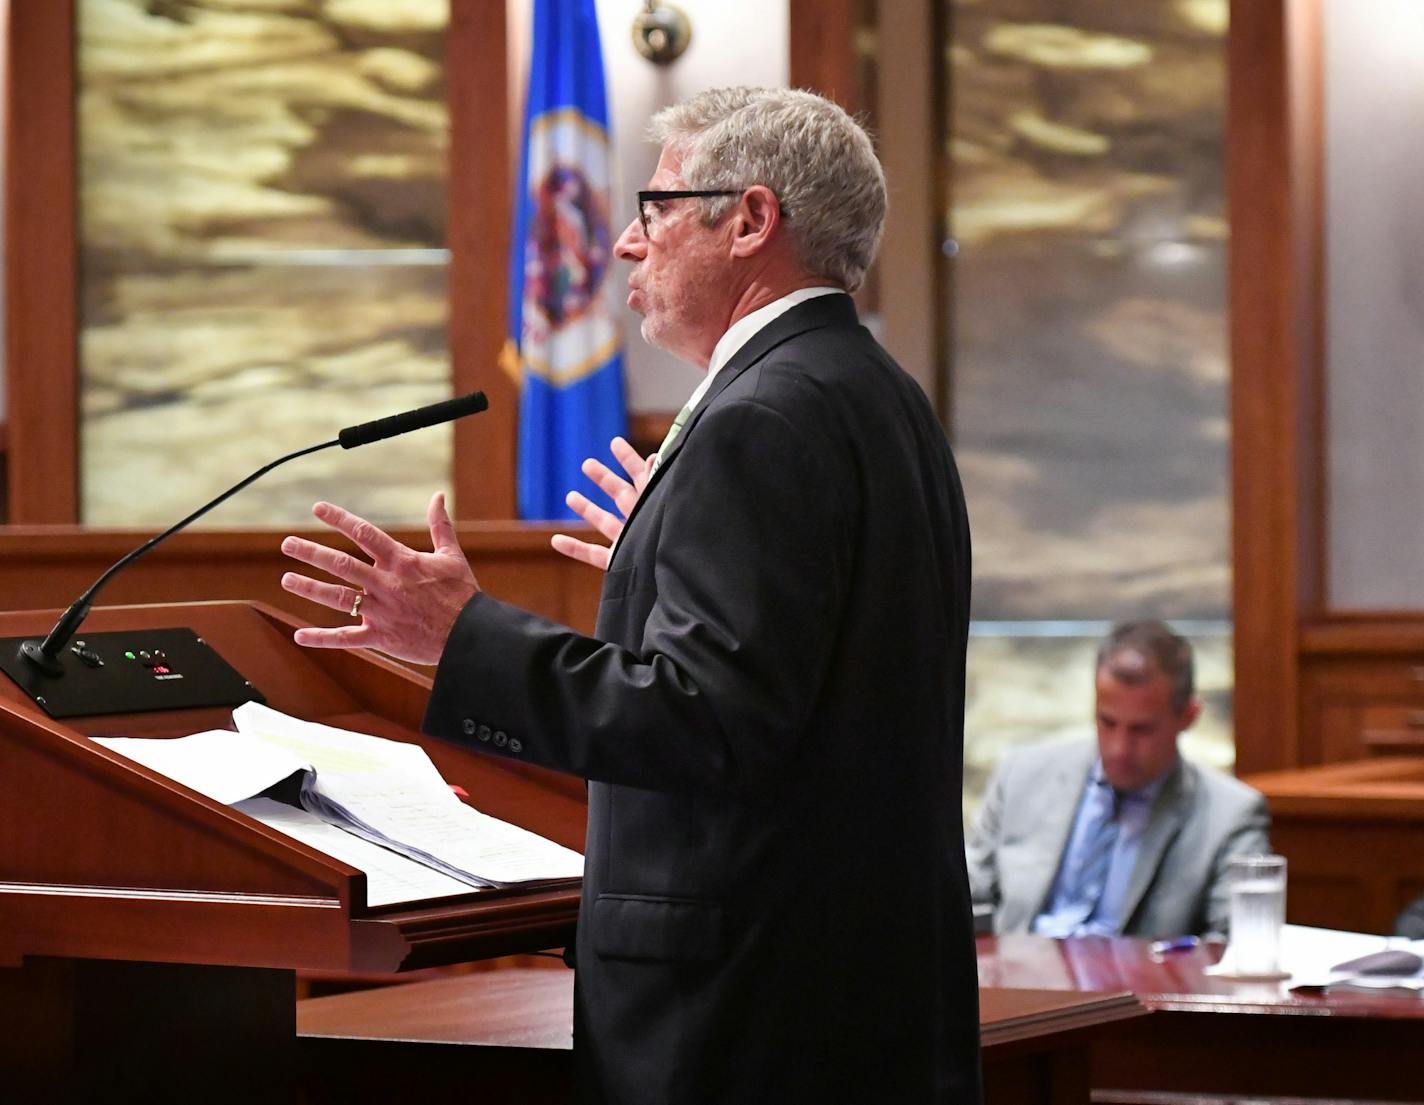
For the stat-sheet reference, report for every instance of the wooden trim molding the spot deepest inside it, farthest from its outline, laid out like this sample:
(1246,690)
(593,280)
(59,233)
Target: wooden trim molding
(913,129)
(478,237)
(646,429)
(1273,178)
(822,34)
(47,567)
(41,366)
(1398,633)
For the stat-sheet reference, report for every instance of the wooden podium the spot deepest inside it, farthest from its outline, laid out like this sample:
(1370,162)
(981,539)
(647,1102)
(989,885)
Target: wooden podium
(149,936)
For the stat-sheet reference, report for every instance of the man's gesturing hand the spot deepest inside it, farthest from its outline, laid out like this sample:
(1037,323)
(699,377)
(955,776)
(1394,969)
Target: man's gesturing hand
(624,494)
(409,599)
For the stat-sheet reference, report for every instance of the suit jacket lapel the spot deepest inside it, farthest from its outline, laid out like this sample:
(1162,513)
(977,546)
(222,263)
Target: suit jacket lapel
(1168,813)
(824,310)
(1058,800)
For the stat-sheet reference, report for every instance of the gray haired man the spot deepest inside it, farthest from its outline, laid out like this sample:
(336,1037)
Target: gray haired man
(770,711)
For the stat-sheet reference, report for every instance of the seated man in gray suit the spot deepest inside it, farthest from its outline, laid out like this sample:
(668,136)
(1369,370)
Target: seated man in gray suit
(1121,836)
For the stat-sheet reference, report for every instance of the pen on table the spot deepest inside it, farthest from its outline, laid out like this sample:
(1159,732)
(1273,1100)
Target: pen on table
(1180,944)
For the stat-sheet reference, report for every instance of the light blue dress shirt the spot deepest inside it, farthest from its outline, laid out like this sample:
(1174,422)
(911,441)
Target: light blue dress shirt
(1080,910)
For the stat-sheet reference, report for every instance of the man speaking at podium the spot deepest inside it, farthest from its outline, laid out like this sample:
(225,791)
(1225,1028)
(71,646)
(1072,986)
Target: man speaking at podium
(770,712)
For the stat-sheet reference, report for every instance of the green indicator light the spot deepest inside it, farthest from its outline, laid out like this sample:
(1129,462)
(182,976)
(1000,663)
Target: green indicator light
(131,656)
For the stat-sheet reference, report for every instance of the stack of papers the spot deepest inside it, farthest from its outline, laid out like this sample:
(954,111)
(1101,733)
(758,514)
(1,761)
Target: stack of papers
(377,804)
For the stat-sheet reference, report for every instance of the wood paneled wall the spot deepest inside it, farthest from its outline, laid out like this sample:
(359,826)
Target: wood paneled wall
(48,567)
(822,36)
(1350,834)
(41,366)
(476,73)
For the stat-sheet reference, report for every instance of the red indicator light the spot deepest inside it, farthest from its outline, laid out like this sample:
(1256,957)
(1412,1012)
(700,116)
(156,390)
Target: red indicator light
(159,669)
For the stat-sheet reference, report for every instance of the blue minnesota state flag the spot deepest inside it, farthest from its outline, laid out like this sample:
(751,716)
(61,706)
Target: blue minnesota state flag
(561,324)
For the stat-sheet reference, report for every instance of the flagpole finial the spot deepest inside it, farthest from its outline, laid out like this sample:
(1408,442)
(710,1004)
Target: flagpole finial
(661,32)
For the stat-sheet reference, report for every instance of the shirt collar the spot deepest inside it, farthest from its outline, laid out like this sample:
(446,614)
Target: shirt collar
(746,328)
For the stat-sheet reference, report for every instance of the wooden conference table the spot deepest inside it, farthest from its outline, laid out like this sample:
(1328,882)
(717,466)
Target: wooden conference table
(1209,1035)
(1057,1019)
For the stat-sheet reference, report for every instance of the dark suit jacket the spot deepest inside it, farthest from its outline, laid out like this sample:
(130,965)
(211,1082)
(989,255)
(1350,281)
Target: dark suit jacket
(775,904)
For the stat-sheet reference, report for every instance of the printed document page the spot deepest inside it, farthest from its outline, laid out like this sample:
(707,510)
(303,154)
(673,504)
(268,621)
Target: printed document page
(391,879)
(391,793)
(387,792)
(1312,954)
(220,764)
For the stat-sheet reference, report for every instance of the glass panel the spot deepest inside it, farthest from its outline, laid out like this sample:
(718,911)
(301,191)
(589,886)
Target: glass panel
(262,223)
(1090,423)
(1374,251)
(1088,383)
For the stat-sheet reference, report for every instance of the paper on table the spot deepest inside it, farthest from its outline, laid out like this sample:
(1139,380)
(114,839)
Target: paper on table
(220,763)
(390,878)
(391,793)
(1306,950)
(1308,954)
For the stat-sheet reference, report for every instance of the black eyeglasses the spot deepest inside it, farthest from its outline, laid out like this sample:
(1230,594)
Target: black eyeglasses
(645,198)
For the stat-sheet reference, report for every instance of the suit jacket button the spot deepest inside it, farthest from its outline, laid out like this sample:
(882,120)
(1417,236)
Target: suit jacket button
(500,738)
(468,725)
(484,733)
(516,745)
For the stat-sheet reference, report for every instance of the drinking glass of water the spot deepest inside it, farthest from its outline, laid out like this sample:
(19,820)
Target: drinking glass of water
(1258,912)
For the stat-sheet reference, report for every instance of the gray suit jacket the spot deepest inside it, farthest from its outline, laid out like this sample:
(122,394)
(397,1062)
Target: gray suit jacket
(1178,886)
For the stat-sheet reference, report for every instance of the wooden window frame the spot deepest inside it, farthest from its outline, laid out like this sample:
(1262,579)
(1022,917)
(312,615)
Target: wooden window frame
(1275,169)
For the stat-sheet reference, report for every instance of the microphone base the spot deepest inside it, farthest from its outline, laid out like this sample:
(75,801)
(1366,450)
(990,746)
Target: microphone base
(126,672)
(32,651)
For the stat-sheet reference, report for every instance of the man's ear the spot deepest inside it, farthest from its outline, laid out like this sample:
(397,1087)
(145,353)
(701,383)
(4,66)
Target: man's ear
(756,221)
(1190,714)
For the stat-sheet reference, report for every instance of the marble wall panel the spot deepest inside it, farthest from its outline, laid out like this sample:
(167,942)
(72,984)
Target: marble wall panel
(1085,119)
(196,376)
(1088,388)
(262,225)
(1090,424)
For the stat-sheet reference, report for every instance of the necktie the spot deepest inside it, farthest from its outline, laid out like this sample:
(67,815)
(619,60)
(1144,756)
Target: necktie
(1097,851)
(673,430)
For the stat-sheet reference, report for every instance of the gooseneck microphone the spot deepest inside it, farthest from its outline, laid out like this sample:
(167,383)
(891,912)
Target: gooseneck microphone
(405,422)
(44,654)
